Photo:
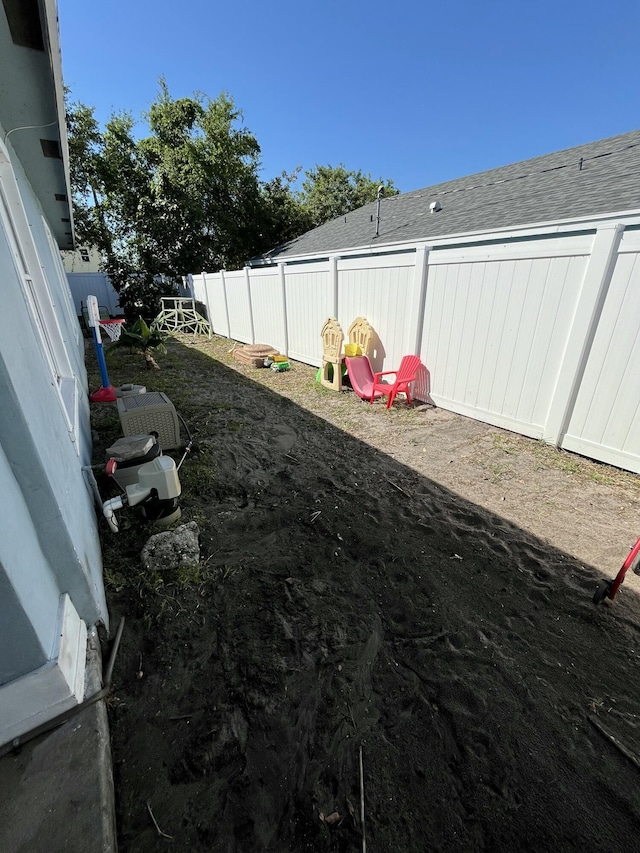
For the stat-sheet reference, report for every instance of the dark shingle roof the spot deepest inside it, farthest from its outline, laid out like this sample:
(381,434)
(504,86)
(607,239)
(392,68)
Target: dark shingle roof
(597,178)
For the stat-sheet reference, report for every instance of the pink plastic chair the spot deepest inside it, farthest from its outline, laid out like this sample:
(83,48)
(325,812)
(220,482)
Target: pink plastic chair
(361,376)
(405,375)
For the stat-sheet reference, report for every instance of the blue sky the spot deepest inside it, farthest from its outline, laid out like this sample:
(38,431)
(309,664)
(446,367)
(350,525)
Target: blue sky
(415,91)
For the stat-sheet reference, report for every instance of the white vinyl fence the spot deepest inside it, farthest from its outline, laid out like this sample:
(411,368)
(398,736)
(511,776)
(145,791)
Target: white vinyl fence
(537,332)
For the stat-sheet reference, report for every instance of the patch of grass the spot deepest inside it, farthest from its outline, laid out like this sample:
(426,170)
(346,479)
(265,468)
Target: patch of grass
(500,472)
(223,573)
(189,575)
(505,443)
(118,577)
(322,390)
(549,457)
(198,474)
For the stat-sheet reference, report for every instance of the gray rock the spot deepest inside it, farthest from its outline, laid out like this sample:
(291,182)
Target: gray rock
(172,548)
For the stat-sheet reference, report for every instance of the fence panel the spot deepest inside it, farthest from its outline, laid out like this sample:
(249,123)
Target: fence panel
(310,300)
(211,293)
(494,334)
(197,287)
(239,307)
(268,308)
(605,423)
(381,292)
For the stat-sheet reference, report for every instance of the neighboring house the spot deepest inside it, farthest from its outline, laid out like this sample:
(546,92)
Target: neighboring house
(99,285)
(585,182)
(84,269)
(51,587)
(84,259)
(519,288)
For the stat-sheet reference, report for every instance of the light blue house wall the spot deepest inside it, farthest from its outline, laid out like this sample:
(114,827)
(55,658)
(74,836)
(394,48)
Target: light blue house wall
(47,456)
(51,585)
(28,589)
(43,457)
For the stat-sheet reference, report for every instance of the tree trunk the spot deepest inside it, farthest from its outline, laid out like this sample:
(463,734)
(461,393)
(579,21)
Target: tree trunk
(152,364)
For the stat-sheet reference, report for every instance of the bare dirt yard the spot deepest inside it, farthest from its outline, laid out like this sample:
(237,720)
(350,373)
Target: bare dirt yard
(390,636)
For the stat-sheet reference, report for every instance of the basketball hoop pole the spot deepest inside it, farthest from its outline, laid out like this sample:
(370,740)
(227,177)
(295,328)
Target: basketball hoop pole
(106,393)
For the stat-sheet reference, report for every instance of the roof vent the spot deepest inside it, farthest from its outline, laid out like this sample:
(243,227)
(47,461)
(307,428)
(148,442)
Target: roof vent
(435,206)
(23,17)
(51,148)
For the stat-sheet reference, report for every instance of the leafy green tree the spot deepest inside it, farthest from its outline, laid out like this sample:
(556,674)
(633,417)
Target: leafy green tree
(205,196)
(329,192)
(187,196)
(107,179)
(283,215)
(85,151)
(184,198)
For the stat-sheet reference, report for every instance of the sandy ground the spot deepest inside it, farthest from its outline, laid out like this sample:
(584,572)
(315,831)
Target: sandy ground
(407,589)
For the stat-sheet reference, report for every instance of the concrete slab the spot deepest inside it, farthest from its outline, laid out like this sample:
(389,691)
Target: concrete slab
(57,792)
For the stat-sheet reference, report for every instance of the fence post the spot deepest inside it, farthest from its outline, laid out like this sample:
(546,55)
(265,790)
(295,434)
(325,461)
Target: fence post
(333,274)
(206,299)
(420,291)
(597,277)
(226,303)
(281,266)
(248,280)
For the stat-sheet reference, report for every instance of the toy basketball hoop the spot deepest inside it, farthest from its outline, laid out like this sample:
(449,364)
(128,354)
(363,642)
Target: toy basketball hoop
(106,393)
(113,328)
